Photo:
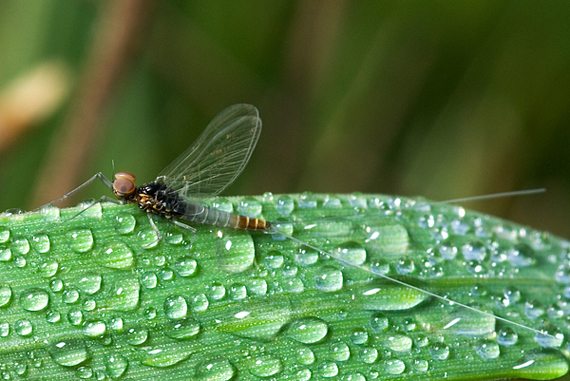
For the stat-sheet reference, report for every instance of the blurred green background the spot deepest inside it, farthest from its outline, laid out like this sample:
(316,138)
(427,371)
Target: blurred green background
(441,99)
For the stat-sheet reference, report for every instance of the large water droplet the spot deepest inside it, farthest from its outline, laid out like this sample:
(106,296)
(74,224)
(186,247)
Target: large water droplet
(394,366)
(23,327)
(81,240)
(94,328)
(34,299)
(307,256)
(175,307)
(183,329)
(328,279)
(75,317)
(20,245)
(250,207)
(216,369)
(124,297)
(351,252)
(550,337)
(305,356)
(199,303)
(439,351)
(4,329)
(358,336)
(223,204)
(48,269)
(488,350)
(185,266)
(41,243)
(149,280)
(217,291)
(4,234)
(137,336)
(69,352)
(5,254)
(474,251)
(5,295)
(368,355)
(116,255)
(90,283)
(257,286)
(116,364)
(237,291)
(507,337)
(328,369)
(265,366)
(285,205)
(339,351)
(70,296)
(53,316)
(165,356)
(307,200)
(379,322)
(389,298)
(235,251)
(400,343)
(470,323)
(125,223)
(307,330)
(148,238)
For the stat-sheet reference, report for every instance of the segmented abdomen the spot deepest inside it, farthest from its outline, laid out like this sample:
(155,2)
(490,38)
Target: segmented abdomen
(211,216)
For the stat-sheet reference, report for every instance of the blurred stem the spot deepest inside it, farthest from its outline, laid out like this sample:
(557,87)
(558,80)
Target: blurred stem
(117,37)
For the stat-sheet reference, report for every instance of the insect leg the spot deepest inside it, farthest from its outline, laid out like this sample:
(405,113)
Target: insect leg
(99,176)
(187,227)
(155,228)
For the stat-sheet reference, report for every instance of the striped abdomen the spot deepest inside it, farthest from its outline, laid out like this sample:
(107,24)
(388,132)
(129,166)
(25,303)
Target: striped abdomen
(211,216)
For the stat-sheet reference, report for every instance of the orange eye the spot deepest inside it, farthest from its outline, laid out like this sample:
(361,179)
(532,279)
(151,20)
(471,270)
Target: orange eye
(125,175)
(123,186)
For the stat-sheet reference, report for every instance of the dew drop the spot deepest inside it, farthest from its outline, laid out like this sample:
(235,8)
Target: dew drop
(235,251)
(41,243)
(48,269)
(137,336)
(116,255)
(307,200)
(274,260)
(303,374)
(368,355)
(23,327)
(488,350)
(173,238)
(5,254)
(34,299)
(116,364)
(394,366)
(353,377)
(199,303)
(185,266)
(94,328)
(405,266)
(351,252)
(183,329)
(328,279)
(307,256)
(474,251)
(81,240)
(56,285)
(175,307)
(166,275)
(149,280)
(237,291)
(4,234)
(257,286)
(265,366)
(339,351)
(90,283)
(358,336)
(305,356)
(379,322)
(307,330)
(20,261)
(69,352)
(328,369)
(380,267)
(507,337)
(550,337)
(533,309)
(53,316)
(224,205)
(421,365)
(285,205)
(217,291)
(5,295)
(116,324)
(70,296)
(216,369)
(439,351)
(400,343)
(164,357)
(249,207)
(125,296)
(75,317)
(20,245)
(4,329)
(148,238)
(294,285)
(124,223)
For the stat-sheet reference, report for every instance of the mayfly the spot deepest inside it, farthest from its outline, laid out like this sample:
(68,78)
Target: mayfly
(203,171)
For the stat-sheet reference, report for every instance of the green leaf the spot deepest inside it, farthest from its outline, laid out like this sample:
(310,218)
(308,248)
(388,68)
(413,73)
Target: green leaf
(99,296)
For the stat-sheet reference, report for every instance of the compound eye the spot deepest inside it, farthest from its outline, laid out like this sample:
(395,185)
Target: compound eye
(123,186)
(125,175)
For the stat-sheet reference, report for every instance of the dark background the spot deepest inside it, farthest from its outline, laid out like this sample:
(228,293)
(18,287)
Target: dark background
(441,99)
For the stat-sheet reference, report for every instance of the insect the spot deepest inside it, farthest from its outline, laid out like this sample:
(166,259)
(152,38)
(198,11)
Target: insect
(204,170)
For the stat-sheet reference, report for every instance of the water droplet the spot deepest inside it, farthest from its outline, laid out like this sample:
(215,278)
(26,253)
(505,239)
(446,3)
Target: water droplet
(48,269)
(183,329)
(307,200)
(332,202)
(328,279)
(199,303)
(303,374)
(149,280)
(94,328)
(328,369)
(185,266)
(70,296)
(380,267)
(20,245)
(488,350)
(81,240)
(235,251)
(23,328)
(56,285)
(359,336)
(307,330)
(237,291)
(394,366)
(224,205)
(439,351)
(368,355)
(137,336)
(389,298)
(116,324)
(5,254)
(294,285)
(41,243)
(400,343)
(175,307)
(405,266)
(116,364)
(53,316)
(125,295)
(507,337)
(250,207)
(84,372)
(521,255)
(216,369)
(351,252)
(4,234)
(470,323)
(34,299)
(274,260)
(20,261)
(307,256)
(166,275)
(69,352)
(421,365)
(75,317)
(448,250)
(90,283)
(159,260)
(474,251)
(5,295)
(173,238)
(265,366)
(285,205)
(148,238)
(379,322)
(20,368)
(339,351)
(353,377)
(124,223)
(217,291)
(116,255)
(305,356)
(550,337)
(4,329)
(257,286)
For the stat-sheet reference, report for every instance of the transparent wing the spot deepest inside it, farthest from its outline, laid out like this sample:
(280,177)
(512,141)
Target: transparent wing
(219,155)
